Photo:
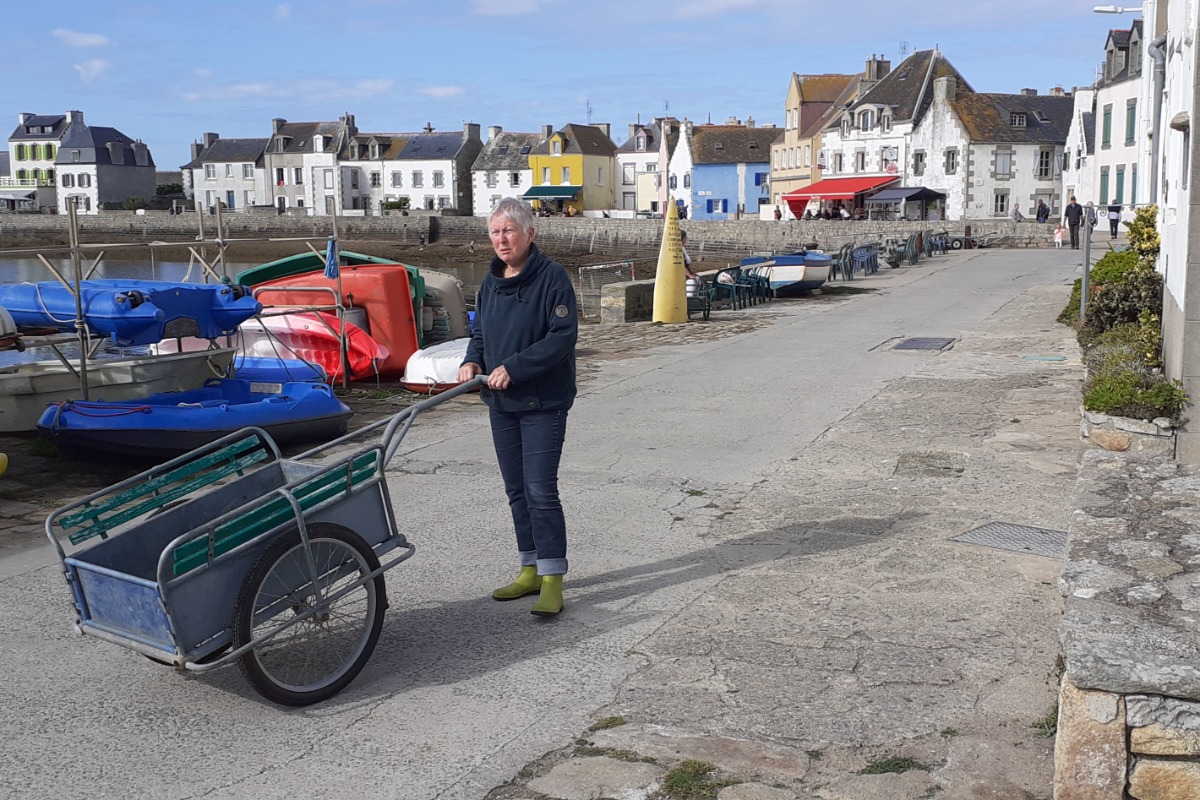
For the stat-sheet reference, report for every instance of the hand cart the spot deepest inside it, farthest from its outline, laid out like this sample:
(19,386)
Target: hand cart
(235,553)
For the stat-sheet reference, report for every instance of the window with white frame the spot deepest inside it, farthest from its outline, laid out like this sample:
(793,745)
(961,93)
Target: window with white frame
(866,120)
(514,179)
(839,163)
(885,122)
(248,172)
(68,181)
(327,178)
(1045,163)
(85,180)
(860,161)
(439,179)
(279,176)
(566,175)
(376,180)
(247,198)
(443,201)
(490,179)
(918,163)
(418,179)
(846,125)
(556,148)
(808,155)
(397,180)
(210,198)
(1000,204)
(298,176)
(1004,164)
(210,172)
(628,171)
(545,175)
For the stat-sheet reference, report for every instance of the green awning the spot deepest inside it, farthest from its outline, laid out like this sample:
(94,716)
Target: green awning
(551,192)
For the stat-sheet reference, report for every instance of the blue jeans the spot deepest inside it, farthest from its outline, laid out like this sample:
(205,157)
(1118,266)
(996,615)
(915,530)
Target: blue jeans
(528,448)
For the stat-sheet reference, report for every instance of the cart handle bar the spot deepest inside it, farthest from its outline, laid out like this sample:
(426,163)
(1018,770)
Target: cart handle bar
(404,417)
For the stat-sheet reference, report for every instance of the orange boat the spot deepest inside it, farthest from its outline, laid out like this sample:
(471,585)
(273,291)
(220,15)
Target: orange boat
(379,298)
(313,337)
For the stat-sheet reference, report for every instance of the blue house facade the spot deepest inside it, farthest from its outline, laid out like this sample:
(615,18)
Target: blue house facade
(730,172)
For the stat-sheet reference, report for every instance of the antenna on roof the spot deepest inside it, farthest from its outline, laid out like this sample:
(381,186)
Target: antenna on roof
(903,50)
(666,108)
(588,104)
(428,127)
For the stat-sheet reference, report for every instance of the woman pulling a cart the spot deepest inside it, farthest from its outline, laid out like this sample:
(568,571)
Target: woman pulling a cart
(524,341)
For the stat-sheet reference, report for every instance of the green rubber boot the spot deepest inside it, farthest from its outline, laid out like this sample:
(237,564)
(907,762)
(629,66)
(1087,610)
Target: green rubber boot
(527,583)
(550,601)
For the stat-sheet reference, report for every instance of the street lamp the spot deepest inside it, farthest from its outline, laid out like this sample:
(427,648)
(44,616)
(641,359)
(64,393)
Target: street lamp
(1117,9)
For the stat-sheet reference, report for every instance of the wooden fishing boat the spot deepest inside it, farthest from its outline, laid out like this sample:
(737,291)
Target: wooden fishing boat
(793,273)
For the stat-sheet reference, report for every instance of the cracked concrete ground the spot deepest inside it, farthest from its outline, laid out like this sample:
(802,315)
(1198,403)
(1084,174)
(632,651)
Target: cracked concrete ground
(762,577)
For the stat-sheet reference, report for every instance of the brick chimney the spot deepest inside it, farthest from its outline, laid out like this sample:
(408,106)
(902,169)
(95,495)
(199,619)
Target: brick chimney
(1057,91)
(877,67)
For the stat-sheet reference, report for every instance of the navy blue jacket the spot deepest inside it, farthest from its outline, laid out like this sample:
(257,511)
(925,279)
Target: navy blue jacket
(528,324)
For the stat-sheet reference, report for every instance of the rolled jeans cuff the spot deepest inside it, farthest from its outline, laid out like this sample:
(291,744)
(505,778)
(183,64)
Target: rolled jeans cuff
(528,557)
(551,566)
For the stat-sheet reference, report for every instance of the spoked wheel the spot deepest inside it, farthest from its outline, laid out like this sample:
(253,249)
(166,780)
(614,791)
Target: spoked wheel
(956,244)
(316,658)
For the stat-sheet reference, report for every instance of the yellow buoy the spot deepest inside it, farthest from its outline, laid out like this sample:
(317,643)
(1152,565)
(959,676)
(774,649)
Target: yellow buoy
(670,293)
(3,463)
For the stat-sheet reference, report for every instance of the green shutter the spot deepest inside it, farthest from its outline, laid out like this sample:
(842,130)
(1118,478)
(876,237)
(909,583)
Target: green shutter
(1104,187)
(1106,137)
(1133,186)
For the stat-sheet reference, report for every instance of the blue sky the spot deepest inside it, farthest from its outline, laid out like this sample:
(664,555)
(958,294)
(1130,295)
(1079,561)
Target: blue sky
(168,71)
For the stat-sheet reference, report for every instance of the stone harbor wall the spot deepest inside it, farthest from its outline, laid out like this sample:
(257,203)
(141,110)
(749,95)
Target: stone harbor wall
(1129,707)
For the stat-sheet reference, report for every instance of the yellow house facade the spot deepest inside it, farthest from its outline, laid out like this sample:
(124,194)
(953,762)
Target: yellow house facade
(573,171)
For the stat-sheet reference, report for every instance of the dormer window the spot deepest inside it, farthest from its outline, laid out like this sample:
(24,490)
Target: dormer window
(846,125)
(641,143)
(555,147)
(866,120)
(885,122)
(1017,119)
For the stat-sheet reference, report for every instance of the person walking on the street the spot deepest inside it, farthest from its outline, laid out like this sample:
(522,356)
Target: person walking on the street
(1074,216)
(1058,236)
(1114,219)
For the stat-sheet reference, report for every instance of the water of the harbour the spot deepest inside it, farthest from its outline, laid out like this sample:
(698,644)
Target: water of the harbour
(22,270)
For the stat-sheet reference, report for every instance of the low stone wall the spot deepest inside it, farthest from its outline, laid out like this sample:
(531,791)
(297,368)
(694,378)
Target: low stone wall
(1129,707)
(1121,434)
(632,301)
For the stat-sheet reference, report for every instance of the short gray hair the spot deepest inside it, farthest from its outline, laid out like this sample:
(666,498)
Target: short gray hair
(515,211)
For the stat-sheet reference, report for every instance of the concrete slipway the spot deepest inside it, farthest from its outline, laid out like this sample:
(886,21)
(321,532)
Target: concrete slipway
(761,513)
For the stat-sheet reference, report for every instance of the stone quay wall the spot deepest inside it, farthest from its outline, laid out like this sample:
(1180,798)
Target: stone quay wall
(1129,705)
(620,238)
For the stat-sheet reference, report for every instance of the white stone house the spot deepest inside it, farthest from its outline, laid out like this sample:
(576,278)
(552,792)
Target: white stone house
(33,148)
(640,166)
(679,168)
(301,164)
(98,166)
(990,152)
(1117,142)
(226,171)
(431,170)
(1078,171)
(502,168)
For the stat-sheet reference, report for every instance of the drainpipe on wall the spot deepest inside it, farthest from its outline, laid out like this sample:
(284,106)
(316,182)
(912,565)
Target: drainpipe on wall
(1160,70)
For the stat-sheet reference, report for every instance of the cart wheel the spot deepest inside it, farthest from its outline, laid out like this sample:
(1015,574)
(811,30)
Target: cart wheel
(956,244)
(315,659)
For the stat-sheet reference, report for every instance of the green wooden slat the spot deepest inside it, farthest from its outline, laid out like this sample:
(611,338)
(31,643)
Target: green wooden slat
(277,511)
(101,527)
(181,472)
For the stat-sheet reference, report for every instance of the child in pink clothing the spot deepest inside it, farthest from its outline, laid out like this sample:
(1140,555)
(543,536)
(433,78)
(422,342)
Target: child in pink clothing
(1058,236)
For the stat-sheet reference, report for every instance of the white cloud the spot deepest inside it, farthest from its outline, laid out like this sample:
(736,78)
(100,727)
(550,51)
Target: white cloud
(441,91)
(76,39)
(242,90)
(92,69)
(283,11)
(500,8)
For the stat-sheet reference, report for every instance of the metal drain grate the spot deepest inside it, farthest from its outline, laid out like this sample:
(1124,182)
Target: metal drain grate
(924,343)
(1018,538)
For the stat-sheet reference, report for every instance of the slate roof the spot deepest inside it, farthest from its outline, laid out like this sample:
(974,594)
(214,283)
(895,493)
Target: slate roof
(56,121)
(430,146)
(503,152)
(908,89)
(731,144)
(298,136)
(96,139)
(822,88)
(390,145)
(1120,38)
(224,151)
(987,117)
(585,139)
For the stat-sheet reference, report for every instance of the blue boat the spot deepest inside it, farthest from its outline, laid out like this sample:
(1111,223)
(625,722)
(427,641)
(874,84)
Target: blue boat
(268,369)
(793,273)
(133,312)
(163,426)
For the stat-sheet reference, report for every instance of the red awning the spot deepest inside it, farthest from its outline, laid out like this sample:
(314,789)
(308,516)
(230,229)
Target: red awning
(839,188)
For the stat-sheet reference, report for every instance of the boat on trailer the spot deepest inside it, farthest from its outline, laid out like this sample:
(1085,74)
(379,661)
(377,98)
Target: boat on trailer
(162,426)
